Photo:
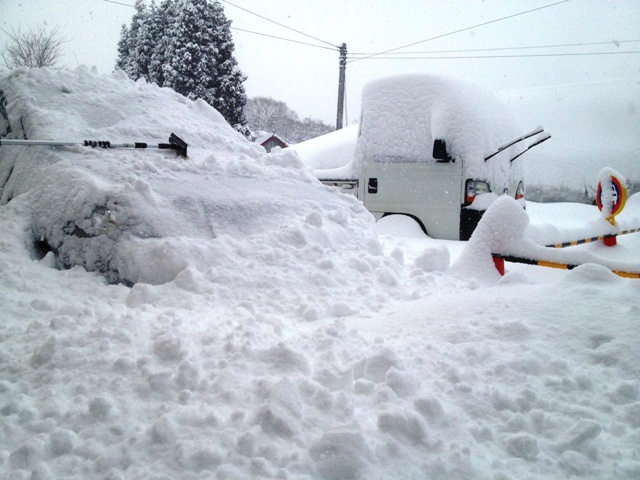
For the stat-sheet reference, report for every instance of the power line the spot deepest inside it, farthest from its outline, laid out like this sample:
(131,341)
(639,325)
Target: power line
(120,3)
(258,33)
(281,25)
(281,38)
(524,55)
(490,49)
(460,30)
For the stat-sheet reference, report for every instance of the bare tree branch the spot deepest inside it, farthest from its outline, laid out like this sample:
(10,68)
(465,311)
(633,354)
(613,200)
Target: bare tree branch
(34,48)
(273,116)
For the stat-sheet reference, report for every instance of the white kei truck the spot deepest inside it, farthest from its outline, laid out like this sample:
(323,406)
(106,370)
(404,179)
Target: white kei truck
(435,148)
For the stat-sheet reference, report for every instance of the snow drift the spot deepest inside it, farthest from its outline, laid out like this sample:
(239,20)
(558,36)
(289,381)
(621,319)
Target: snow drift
(313,349)
(133,215)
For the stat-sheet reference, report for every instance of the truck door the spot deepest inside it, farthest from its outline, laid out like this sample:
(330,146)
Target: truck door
(430,192)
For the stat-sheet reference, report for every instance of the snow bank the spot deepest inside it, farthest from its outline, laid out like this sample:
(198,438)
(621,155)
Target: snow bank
(263,368)
(505,230)
(290,344)
(143,216)
(330,151)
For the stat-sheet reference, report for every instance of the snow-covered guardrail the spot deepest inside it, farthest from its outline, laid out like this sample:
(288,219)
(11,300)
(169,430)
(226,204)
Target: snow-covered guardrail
(504,233)
(500,259)
(605,239)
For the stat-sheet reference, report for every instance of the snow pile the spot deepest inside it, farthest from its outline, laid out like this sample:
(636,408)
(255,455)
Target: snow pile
(304,347)
(505,230)
(331,156)
(136,215)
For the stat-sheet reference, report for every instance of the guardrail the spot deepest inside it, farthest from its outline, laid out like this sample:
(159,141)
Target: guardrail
(499,260)
(611,197)
(604,238)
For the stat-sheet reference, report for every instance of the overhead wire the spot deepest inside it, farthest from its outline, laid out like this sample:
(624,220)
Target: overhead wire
(332,47)
(492,49)
(394,54)
(120,3)
(281,38)
(524,55)
(459,31)
(353,57)
(281,25)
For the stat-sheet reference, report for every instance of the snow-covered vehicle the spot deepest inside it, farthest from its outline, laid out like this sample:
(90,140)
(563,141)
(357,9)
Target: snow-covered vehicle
(430,147)
(139,215)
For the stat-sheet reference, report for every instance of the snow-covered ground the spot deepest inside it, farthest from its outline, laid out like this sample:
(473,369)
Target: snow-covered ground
(320,347)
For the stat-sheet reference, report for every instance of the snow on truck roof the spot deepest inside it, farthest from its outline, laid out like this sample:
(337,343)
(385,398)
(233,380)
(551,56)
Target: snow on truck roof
(407,112)
(403,114)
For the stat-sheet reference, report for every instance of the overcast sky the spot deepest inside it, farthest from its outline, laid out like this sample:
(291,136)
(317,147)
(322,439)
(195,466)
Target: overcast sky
(305,75)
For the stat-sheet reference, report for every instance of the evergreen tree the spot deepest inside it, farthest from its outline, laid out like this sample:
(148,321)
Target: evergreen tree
(129,40)
(186,45)
(162,33)
(123,49)
(145,44)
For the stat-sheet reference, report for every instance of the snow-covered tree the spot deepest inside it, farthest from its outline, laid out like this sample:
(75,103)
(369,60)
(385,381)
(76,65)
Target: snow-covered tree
(186,45)
(38,47)
(129,39)
(146,42)
(273,116)
(270,115)
(161,35)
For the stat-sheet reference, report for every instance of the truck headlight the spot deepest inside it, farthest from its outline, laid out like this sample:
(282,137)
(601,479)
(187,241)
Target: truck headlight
(473,188)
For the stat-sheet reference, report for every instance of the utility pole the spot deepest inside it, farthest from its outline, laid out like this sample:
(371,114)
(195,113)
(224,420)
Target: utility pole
(341,82)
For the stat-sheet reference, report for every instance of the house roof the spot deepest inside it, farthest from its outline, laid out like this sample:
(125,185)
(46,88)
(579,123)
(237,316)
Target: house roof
(264,137)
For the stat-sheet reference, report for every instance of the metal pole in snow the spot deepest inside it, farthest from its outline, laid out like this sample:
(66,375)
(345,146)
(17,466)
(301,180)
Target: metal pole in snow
(341,85)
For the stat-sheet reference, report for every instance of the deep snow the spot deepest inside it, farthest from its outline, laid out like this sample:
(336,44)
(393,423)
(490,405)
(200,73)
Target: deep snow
(323,347)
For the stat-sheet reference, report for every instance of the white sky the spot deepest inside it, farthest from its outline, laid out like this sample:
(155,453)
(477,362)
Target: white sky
(306,77)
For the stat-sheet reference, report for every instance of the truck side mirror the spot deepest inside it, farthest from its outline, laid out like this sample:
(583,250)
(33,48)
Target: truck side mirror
(440,151)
